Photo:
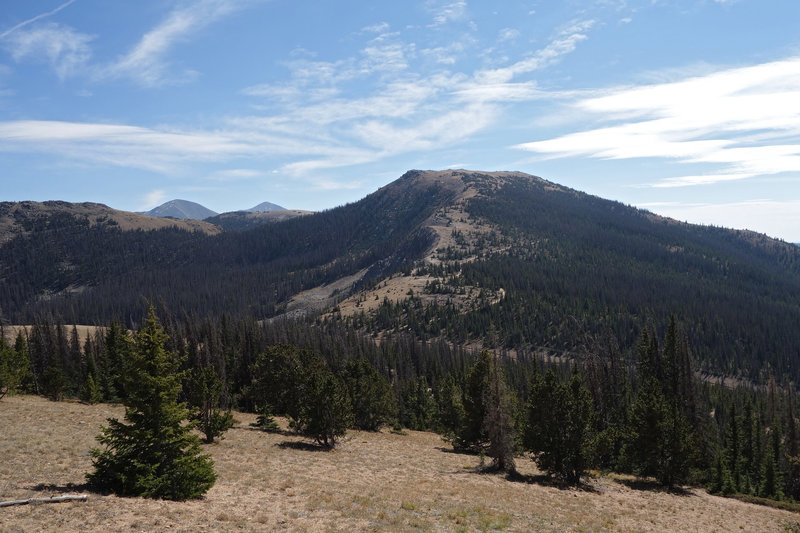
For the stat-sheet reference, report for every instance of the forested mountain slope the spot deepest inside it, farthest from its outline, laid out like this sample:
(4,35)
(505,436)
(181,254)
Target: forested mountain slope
(245,220)
(570,264)
(21,218)
(503,260)
(91,273)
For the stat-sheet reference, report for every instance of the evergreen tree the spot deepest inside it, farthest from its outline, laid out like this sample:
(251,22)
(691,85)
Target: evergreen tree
(678,448)
(792,447)
(118,347)
(559,425)
(14,365)
(153,453)
(325,412)
(374,404)
(299,384)
(649,363)
(659,442)
(90,389)
(417,407)
(450,409)
(749,449)
(278,380)
(22,364)
(203,393)
(717,478)
(770,476)
(90,392)
(5,356)
(472,435)
(578,434)
(733,454)
(498,422)
(605,378)
(53,384)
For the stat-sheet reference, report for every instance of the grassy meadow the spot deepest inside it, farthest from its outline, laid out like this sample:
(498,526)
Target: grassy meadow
(371,482)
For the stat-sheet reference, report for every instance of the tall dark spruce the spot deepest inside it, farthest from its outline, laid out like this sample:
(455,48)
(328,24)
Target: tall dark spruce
(153,453)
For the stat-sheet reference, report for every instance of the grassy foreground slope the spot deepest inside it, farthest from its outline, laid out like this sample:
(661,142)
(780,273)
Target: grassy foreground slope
(373,481)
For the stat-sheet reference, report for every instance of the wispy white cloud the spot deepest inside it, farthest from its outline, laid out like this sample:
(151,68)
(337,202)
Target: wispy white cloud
(336,185)
(745,121)
(31,20)
(147,62)
(235,174)
(153,199)
(445,55)
(508,34)
(64,48)
(380,27)
(121,145)
(500,92)
(389,57)
(564,43)
(313,120)
(703,179)
(445,11)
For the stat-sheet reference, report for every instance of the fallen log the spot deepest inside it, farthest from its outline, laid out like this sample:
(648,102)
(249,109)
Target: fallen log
(55,499)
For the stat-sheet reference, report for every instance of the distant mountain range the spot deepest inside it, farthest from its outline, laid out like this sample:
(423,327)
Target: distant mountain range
(186,210)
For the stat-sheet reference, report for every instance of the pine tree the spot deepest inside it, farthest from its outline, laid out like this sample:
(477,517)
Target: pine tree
(472,435)
(450,409)
(770,476)
(325,412)
(277,380)
(300,384)
(374,403)
(5,356)
(498,422)
(792,447)
(90,389)
(153,453)
(717,477)
(203,393)
(748,449)
(418,407)
(659,442)
(53,383)
(733,442)
(578,434)
(14,366)
(559,425)
(22,364)
(118,346)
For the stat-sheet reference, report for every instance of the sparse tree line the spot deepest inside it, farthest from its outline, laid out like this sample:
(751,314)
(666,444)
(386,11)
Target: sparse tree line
(647,416)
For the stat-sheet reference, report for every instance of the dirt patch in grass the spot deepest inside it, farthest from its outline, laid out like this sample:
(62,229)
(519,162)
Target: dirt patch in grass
(371,482)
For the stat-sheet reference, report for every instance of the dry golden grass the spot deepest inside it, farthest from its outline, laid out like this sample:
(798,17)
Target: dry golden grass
(372,482)
(12,331)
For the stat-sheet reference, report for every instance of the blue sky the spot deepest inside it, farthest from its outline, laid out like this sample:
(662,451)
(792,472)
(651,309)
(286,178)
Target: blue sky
(690,109)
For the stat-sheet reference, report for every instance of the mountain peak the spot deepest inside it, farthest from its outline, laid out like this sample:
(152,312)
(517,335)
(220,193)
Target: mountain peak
(265,206)
(182,209)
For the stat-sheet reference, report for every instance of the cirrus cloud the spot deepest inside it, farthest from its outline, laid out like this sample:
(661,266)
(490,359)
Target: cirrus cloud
(744,121)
